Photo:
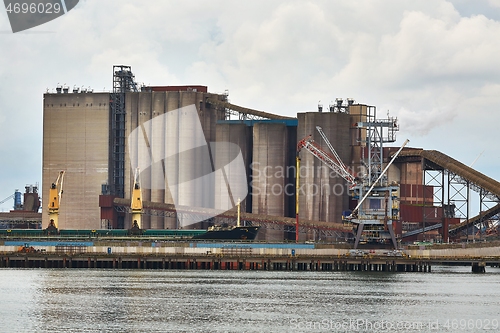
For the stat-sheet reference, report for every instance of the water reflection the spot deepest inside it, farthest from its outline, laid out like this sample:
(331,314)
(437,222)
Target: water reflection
(237,301)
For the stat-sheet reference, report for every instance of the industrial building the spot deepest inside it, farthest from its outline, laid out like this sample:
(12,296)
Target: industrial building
(25,213)
(90,136)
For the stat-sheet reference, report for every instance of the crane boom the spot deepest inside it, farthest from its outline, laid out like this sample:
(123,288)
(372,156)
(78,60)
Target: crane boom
(337,157)
(8,198)
(333,162)
(380,177)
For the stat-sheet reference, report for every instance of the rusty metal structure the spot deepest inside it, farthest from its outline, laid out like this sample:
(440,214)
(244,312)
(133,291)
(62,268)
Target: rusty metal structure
(452,182)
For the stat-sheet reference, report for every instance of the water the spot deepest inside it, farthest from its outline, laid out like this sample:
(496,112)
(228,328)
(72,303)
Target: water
(450,299)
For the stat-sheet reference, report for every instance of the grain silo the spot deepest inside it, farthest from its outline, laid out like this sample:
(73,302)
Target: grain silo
(179,128)
(323,193)
(85,138)
(75,139)
(239,134)
(270,158)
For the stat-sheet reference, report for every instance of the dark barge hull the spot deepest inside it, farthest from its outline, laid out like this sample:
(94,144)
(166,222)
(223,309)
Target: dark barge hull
(220,233)
(236,233)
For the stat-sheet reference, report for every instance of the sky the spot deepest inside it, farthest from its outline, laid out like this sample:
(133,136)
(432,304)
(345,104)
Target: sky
(434,65)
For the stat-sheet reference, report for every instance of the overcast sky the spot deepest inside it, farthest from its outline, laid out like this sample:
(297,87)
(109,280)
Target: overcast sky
(434,64)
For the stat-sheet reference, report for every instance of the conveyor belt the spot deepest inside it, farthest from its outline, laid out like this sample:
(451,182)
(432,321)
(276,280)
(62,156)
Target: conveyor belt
(466,172)
(481,217)
(457,168)
(233,214)
(241,109)
(419,231)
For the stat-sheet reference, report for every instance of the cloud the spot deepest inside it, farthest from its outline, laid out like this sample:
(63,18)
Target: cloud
(494,3)
(433,64)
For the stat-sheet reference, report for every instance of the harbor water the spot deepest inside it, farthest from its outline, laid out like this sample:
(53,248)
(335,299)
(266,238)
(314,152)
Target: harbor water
(450,299)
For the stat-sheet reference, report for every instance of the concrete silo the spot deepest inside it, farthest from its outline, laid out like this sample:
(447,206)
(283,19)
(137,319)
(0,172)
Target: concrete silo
(75,139)
(177,127)
(323,194)
(239,134)
(269,179)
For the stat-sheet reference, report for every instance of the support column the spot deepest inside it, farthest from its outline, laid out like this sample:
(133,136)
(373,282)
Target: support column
(358,235)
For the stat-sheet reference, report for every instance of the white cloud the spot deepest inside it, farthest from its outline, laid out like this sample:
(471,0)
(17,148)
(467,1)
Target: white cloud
(430,64)
(494,3)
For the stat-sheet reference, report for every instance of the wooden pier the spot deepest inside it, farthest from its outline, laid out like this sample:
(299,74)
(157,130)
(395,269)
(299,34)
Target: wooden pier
(208,262)
(236,256)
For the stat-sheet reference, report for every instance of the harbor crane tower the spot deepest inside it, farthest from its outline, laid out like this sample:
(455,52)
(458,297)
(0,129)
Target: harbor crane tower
(377,198)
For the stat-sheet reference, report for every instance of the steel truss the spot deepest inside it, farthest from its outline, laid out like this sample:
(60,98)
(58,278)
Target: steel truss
(486,224)
(241,112)
(452,192)
(374,224)
(240,115)
(123,81)
(375,140)
(434,177)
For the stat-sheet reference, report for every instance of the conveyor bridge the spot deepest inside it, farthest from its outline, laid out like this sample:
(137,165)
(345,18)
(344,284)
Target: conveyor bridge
(170,210)
(245,113)
(464,174)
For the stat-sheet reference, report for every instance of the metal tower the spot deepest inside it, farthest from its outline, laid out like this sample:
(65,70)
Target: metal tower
(378,201)
(374,141)
(123,81)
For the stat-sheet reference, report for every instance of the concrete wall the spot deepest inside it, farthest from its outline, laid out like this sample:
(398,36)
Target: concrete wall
(75,139)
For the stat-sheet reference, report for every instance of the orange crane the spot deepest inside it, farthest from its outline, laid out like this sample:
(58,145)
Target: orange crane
(55,194)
